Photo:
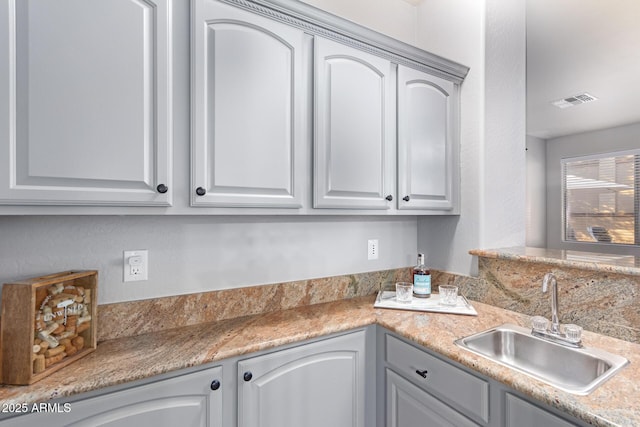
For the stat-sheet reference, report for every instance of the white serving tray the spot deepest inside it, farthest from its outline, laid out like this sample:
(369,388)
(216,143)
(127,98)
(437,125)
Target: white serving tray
(387,299)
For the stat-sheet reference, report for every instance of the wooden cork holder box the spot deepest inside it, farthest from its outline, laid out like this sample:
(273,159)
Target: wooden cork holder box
(48,322)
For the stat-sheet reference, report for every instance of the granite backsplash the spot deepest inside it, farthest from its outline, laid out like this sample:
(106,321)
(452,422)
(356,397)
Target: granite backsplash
(599,300)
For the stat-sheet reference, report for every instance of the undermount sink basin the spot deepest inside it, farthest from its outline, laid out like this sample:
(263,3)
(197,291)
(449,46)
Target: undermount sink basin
(574,370)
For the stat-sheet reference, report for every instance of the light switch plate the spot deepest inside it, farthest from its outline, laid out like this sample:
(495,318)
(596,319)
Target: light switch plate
(372,249)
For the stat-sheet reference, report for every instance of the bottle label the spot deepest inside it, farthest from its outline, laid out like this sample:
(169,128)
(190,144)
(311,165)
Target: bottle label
(422,284)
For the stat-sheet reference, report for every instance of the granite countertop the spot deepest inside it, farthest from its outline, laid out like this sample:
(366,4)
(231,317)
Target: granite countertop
(127,359)
(621,264)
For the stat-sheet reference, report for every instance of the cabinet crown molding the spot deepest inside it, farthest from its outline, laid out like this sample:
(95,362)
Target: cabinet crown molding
(318,22)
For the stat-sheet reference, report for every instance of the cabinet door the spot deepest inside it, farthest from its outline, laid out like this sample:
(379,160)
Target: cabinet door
(315,385)
(426,152)
(460,389)
(85,102)
(249,94)
(410,406)
(520,413)
(354,128)
(185,401)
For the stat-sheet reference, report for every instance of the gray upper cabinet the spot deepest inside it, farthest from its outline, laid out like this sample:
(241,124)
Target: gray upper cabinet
(85,102)
(250,106)
(354,128)
(370,156)
(276,107)
(428,175)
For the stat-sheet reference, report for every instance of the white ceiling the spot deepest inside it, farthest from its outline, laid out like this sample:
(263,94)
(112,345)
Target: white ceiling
(576,46)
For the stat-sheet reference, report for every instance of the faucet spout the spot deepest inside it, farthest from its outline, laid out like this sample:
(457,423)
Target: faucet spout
(550,278)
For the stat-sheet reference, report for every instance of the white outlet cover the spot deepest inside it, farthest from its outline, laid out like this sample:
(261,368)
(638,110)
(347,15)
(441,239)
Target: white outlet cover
(135,260)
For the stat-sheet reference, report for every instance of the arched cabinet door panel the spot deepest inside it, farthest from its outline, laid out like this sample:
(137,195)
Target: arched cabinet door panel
(85,102)
(249,94)
(189,400)
(354,140)
(314,385)
(427,157)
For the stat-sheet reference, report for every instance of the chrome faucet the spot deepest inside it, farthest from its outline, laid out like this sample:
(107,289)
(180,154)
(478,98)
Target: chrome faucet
(555,322)
(554,332)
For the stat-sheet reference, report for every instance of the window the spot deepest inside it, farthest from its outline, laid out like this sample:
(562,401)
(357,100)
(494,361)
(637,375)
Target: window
(600,198)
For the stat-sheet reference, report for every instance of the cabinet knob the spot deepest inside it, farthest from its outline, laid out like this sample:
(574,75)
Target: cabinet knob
(201,191)
(247,376)
(162,188)
(389,197)
(215,384)
(423,374)
(406,198)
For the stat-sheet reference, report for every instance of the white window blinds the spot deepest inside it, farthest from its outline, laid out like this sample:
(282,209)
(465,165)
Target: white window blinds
(601,198)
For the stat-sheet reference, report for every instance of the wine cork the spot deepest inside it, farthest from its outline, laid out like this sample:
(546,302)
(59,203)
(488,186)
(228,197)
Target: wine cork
(83,327)
(71,350)
(44,345)
(53,302)
(78,342)
(70,289)
(54,351)
(51,341)
(39,323)
(48,361)
(55,289)
(49,329)
(38,364)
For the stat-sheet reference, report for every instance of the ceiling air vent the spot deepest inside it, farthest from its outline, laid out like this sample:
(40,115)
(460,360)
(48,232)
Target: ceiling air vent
(581,98)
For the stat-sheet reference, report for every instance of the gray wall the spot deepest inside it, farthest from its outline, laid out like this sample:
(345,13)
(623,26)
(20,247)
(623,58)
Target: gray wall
(603,141)
(536,192)
(197,253)
(489,37)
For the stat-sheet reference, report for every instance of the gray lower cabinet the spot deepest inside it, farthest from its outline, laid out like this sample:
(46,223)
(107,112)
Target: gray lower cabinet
(315,385)
(410,406)
(366,377)
(522,413)
(450,390)
(190,400)
(424,389)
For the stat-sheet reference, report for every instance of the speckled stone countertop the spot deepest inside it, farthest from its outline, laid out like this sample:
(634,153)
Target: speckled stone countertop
(621,264)
(616,403)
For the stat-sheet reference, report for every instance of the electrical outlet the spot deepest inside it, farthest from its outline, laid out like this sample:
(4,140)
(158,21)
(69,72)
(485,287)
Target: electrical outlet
(372,249)
(135,265)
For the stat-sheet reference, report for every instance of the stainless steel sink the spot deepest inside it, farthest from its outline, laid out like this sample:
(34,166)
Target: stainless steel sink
(574,370)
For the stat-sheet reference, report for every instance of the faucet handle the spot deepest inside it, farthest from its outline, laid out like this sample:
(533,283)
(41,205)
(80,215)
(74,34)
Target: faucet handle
(573,332)
(539,323)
